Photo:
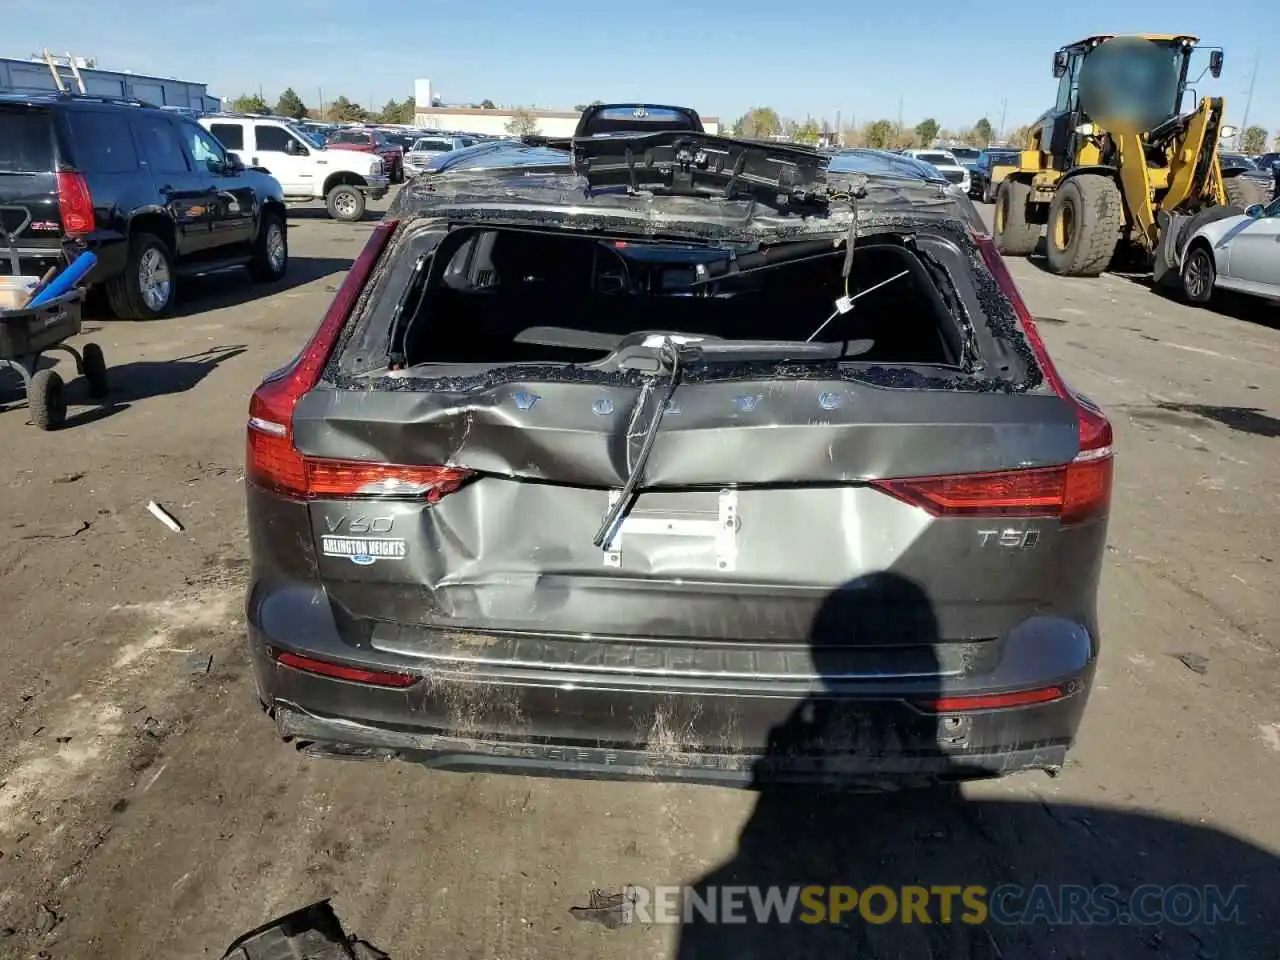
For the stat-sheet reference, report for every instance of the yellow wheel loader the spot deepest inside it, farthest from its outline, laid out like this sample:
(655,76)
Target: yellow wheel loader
(1115,165)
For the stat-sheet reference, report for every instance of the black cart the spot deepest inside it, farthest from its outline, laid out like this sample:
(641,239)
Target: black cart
(26,333)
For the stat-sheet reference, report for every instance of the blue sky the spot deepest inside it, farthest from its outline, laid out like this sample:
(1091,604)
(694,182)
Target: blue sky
(949,59)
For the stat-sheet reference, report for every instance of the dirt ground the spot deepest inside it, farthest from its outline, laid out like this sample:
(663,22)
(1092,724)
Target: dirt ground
(147,808)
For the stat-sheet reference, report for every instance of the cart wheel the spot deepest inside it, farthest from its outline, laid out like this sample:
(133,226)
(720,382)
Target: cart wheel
(45,400)
(94,368)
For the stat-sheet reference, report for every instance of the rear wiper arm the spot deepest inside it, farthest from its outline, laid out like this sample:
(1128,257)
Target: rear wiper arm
(670,356)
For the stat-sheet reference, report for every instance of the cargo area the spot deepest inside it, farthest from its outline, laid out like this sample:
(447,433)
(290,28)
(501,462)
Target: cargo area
(522,296)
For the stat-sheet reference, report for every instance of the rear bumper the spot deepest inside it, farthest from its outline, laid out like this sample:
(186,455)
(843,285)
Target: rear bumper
(110,248)
(347,739)
(494,712)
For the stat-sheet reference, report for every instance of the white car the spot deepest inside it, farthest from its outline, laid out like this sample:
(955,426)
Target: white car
(307,170)
(1240,253)
(946,164)
(426,149)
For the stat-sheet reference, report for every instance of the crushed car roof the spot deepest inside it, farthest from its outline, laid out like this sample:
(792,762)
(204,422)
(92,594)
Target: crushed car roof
(745,188)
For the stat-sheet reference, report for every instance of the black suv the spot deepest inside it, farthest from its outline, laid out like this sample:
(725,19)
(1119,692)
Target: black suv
(147,190)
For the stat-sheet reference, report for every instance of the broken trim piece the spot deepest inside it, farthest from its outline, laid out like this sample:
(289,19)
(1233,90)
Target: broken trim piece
(783,176)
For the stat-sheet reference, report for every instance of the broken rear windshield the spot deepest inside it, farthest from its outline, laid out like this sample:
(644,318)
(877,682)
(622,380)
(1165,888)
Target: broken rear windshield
(489,298)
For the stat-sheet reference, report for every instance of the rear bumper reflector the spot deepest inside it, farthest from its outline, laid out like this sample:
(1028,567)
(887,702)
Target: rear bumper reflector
(339,671)
(992,701)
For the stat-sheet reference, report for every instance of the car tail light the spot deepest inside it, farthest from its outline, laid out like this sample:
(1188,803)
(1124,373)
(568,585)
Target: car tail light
(75,203)
(1076,492)
(340,671)
(271,459)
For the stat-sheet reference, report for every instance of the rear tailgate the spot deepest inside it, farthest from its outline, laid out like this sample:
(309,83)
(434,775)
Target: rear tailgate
(28,183)
(749,520)
(766,502)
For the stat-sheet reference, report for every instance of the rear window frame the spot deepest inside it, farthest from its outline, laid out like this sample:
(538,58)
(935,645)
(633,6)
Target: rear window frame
(36,162)
(1002,359)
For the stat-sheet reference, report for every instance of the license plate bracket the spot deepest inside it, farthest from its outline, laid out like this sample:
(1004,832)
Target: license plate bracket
(720,529)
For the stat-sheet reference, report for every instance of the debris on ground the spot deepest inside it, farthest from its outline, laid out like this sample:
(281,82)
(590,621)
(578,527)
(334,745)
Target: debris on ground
(46,918)
(1194,662)
(612,910)
(65,531)
(69,477)
(199,663)
(163,515)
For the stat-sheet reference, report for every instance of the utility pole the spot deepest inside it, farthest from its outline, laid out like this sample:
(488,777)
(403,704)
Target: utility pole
(1248,100)
(839,131)
(320,90)
(899,114)
(1004,109)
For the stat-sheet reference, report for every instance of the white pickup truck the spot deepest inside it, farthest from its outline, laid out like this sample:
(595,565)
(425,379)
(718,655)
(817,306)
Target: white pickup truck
(344,179)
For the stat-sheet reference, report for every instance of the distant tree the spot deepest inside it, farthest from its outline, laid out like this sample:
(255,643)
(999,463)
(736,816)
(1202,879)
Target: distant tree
(758,123)
(808,132)
(398,111)
(344,111)
(1275,144)
(1021,138)
(981,134)
(522,123)
(902,139)
(927,131)
(1254,141)
(250,103)
(851,136)
(579,107)
(291,105)
(487,105)
(878,134)
(790,128)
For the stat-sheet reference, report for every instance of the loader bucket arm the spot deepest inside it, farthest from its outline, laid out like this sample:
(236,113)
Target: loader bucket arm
(1191,145)
(1135,184)
(1193,158)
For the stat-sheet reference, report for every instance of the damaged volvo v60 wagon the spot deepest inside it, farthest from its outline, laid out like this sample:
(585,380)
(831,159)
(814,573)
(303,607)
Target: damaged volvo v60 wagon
(686,459)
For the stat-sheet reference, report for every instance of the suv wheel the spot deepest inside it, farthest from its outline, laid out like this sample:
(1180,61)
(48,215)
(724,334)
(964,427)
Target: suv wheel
(270,250)
(346,203)
(144,291)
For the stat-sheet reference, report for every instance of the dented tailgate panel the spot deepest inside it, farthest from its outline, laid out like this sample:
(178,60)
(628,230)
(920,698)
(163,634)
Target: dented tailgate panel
(745,521)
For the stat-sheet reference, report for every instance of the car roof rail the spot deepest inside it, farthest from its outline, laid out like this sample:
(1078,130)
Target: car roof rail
(53,96)
(236,115)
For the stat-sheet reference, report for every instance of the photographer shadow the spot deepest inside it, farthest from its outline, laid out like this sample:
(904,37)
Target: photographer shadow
(1035,859)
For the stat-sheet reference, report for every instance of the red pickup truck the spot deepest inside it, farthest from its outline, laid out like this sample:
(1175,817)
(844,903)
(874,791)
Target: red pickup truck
(371,141)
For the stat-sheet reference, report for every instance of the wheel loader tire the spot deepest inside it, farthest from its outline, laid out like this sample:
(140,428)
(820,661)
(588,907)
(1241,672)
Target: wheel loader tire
(1244,192)
(1084,226)
(1016,236)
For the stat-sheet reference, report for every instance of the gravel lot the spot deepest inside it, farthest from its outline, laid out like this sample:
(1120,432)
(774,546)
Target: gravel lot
(146,810)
